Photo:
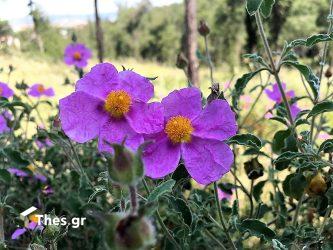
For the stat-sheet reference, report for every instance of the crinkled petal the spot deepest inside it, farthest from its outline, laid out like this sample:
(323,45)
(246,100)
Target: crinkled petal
(146,118)
(161,158)
(294,109)
(207,160)
(3,125)
(49,92)
(17,233)
(82,116)
(100,81)
(139,87)
(82,63)
(115,131)
(216,121)
(185,102)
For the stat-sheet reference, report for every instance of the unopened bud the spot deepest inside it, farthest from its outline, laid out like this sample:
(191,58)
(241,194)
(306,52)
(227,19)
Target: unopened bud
(182,61)
(317,185)
(328,72)
(254,169)
(126,167)
(203,28)
(129,232)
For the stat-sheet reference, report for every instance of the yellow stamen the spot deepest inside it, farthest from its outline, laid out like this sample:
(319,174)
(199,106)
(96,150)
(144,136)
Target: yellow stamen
(77,56)
(33,218)
(179,129)
(118,103)
(31,167)
(40,88)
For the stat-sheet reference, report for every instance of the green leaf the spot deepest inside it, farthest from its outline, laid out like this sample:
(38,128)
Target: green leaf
(266,7)
(252,6)
(277,245)
(310,77)
(5,176)
(180,206)
(310,41)
(241,84)
(320,108)
(326,146)
(246,140)
(283,141)
(161,189)
(256,228)
(297,185)
(15,157)
(257,190)
(288,156)
(329,195)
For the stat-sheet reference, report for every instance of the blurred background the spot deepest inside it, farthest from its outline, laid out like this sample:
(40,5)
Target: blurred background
(147,36)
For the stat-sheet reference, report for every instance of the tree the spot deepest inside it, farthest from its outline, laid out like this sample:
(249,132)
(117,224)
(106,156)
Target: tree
(99,33)
(191,41)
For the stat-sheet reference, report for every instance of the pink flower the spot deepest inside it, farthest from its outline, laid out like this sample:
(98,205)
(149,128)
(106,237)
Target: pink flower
(193,134)
(77,54)
(247,100)
(5,91)
(275,93)
(324,136)
(3,125)
(38,90)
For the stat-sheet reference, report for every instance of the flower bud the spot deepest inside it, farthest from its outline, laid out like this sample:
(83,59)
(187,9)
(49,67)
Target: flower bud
(317,185)
(328,72)
(129,232)
(126,167)
(203,28)
(254,169)
(181,61)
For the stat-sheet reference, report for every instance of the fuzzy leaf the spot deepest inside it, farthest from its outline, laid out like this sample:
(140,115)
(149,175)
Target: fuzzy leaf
(257,190)
(252,6)
(256,228)
(310,77)
(161,189)
(15,157)
(5,176)
(320,108)
(246,140)
(266,7)
(329,195)
(326,146)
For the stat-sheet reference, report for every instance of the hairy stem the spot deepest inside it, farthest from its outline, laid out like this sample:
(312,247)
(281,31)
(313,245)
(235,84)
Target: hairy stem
(273,67)
(134,199)
(219,210)
(298,207)
(160,221)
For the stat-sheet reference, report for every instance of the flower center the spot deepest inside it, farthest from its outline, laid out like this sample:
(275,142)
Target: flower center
(1,91)
(77,56)
(179,129)
(40,89)
(118,103)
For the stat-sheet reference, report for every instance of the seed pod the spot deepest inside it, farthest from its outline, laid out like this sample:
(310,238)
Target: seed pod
(182,61)
(317,185)
(203,28)
(254,169)
(127,167)
(129,232)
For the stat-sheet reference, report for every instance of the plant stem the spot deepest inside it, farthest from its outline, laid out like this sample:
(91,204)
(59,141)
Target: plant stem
(134,199)
(210,235)
(2,232)
(327,214)
(160,221)
(322,63)
(251,198)
(219,209)
(273,67)
(210,64)
(298,207)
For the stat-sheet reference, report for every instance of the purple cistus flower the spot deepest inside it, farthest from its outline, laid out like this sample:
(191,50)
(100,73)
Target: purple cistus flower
(17,172)
(38,90)
(32,226)
(194,134)
(294,110)
(5,91)
(77,54)
(44,143)
(3,125)
(111,106)
(275,93)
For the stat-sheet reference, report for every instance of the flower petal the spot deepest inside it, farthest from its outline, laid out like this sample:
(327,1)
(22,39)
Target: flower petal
(207,160)
(17,233)
(146,118)
(81,116)
(99,82)
(5,90)
(216,121)
(161,157)
(185,102)
(115,131)
(138,86)
(3,125)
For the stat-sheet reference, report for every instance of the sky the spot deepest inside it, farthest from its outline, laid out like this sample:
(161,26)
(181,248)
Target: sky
(16,11)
